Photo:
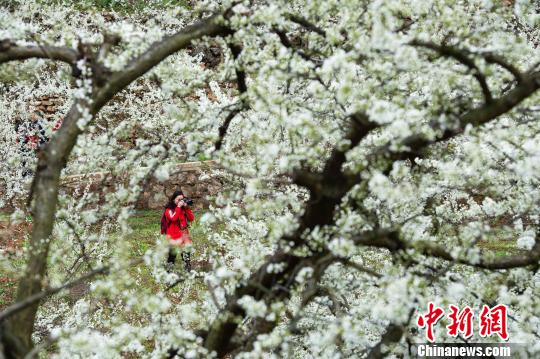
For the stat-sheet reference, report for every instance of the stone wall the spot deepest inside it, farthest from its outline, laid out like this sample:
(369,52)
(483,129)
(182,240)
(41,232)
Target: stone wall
(195,179)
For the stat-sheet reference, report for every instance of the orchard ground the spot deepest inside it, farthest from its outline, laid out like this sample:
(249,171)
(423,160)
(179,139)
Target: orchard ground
(145,225)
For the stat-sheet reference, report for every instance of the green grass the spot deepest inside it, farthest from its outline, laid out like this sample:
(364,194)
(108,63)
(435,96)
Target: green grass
(10,270)
(7,291)
(501,247)
(146,228)
(122,6)
(146,224)
(8,282)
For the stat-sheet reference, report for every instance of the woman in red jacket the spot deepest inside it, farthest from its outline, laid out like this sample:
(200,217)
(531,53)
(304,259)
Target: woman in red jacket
(175,220)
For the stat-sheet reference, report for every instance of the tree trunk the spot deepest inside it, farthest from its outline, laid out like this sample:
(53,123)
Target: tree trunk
(18,329)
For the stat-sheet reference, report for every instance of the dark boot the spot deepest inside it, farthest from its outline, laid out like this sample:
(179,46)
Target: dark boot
(186,257)
(171,259)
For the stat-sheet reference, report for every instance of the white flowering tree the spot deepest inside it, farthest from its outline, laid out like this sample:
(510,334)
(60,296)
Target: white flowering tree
(378,149)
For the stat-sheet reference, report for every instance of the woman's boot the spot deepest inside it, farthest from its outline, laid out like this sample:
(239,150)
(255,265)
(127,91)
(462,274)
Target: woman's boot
(171,259)
(186,256)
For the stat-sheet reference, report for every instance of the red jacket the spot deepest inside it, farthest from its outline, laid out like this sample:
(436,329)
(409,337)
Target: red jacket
(177,221)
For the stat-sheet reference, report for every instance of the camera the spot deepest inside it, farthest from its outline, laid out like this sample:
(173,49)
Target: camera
(188,201)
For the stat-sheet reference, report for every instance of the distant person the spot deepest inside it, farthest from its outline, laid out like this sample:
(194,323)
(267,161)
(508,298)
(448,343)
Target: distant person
(174,224)
(31,136)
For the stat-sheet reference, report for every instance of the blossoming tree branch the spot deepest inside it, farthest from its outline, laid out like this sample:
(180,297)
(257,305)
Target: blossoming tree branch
(377,153)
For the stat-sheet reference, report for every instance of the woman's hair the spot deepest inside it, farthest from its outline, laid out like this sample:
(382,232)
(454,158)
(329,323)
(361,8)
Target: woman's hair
(171,204)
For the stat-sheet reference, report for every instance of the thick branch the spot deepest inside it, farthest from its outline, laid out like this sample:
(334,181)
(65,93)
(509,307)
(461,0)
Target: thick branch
(159,51)
(285,41)
(415,146)
(242,88)
(328,187)
(11,52)
(222,131)
(392,335)
(271,286)
(494,59)
(460,56)
(306,24)
(391,241)
(16,345)
(240,74)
